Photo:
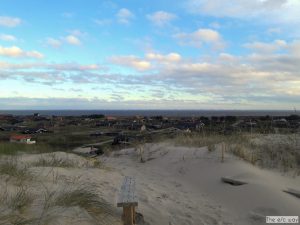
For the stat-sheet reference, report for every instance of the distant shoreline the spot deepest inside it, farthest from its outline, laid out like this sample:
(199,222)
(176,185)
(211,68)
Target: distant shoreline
(181,113)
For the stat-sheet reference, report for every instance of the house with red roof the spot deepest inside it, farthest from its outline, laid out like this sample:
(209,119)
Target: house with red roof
(23,139)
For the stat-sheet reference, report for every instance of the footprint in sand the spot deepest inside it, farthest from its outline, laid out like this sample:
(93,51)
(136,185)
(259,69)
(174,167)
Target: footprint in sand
(182,171)
(163,196)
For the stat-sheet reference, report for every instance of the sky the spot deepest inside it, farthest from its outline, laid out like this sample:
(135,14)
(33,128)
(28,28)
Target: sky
(192,54)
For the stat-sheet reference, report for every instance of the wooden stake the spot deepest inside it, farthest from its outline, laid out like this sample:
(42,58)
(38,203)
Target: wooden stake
(222,152)
(133,212)
(128,215)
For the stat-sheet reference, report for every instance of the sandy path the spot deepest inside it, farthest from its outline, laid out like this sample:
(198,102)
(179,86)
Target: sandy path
(182,186)
(165,198)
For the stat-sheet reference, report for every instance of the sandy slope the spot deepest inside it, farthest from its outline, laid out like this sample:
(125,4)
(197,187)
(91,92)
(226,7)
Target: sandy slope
(178,185)
(175,186)
(46,184)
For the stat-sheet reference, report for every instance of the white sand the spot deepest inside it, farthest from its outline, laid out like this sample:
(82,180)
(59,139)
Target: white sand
(175,186)
(182,186)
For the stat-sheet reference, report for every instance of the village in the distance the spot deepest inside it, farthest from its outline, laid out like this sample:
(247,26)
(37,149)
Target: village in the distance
(103,131)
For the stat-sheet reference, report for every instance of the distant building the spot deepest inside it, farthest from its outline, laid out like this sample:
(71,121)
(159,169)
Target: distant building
(200,126)
(8,128)
(281,122)
(24,139)
(34,131)
(143,128)
(5,117)
(111,118)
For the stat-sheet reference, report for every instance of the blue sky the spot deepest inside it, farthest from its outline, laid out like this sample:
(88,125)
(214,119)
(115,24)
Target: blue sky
(195,54)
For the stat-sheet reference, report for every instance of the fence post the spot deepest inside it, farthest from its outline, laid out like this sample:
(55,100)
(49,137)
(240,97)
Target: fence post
(222,154)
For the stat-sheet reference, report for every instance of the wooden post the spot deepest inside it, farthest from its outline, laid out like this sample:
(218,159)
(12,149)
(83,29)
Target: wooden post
(222,160)
(128,215)
(128,200)
(133,212)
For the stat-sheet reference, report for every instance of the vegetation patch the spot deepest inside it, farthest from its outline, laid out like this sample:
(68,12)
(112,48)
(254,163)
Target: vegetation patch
(85,198)
(54,161)
(14,148)
(268,151)
(12,168)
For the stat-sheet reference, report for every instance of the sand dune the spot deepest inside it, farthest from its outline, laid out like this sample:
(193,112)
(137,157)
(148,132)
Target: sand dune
(178,185)
(175,186)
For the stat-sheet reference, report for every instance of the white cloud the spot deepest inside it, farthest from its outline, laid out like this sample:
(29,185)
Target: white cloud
(55,43)
(74,67)
(124,16)
(161,18)
(274,30)
(148,62)
(267,47)
(7,37)
(34,54)
(171,57)
(131,61)
(11,51)
(103,22)
(72,40)
(51,66)
(77,33)
(7,21)
(271,11)
(206,35)
(15,51)
(262,79)
(266,77)
(228,58)
(294,48)
(200,37)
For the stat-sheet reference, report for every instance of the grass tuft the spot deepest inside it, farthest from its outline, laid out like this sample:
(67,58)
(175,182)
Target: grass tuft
(54,161)
(20,200)
(268,151)
(11,168)
(85,198)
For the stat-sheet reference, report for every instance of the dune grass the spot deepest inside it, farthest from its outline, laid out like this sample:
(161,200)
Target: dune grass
(15,220)
(54,161)
(11,168)
(18,203)
(282,152)
(279,152)
(15,201)
(86,198)
(196,140)
(82,196)
(201,140)
(20,200)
